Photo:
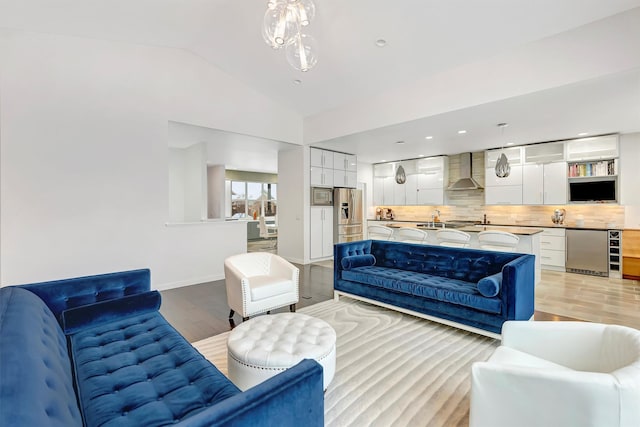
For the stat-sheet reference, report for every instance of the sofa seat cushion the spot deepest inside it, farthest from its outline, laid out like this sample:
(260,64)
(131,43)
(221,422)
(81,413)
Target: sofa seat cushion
(36,383)
(140,371)
(425,285)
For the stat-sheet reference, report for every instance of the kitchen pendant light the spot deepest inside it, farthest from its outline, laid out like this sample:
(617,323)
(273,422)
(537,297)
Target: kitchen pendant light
(401,176)
(503,169)
(282,27)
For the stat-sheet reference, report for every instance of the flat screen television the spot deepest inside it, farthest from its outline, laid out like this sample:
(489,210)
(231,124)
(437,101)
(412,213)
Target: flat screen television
(593,191)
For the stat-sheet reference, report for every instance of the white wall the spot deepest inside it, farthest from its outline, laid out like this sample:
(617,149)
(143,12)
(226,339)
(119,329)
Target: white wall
(293,183)
(195,183)
(84,164)
(176,185)
(216,192)
(629,178)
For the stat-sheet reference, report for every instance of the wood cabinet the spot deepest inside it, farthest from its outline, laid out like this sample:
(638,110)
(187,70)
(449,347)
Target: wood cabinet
(631,254)
(553,249)
(544,184)
(321,237)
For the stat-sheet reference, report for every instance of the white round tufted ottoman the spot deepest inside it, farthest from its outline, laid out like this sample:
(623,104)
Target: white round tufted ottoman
(266,345)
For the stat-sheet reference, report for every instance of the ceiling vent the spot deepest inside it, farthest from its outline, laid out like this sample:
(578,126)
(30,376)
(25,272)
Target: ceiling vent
(466,182)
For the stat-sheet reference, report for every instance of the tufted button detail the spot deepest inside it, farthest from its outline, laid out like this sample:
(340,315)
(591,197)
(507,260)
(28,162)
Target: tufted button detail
(125,413)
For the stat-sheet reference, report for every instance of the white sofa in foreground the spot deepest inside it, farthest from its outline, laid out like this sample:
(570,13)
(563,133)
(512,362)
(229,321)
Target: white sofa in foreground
(559,374)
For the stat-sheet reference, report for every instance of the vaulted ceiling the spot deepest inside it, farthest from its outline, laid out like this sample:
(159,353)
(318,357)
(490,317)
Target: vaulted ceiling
(550,68)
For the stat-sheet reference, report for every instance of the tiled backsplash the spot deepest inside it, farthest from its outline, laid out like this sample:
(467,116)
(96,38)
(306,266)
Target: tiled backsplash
(605,216)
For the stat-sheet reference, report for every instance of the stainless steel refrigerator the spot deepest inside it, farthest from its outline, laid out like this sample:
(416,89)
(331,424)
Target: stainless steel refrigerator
(347,215)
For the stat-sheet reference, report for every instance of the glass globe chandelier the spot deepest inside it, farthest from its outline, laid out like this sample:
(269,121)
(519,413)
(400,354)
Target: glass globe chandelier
(282,28)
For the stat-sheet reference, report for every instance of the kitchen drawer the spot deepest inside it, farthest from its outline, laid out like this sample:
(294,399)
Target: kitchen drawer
(551,257)
(553,232)
(552,242)
(631,267)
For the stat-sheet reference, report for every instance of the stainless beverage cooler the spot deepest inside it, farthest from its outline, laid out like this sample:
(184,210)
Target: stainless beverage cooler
(347,209)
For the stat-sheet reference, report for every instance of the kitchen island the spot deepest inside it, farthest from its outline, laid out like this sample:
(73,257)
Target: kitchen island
(529,236)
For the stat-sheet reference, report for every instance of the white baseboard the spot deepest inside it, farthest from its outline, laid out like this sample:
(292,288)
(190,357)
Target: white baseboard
(337,294)
(187,282)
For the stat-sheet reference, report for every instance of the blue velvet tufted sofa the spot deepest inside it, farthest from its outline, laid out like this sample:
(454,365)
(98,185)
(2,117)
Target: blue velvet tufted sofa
(95,351)
(474,289)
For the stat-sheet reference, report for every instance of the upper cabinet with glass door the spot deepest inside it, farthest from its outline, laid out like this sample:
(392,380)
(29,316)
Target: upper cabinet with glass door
(595,148)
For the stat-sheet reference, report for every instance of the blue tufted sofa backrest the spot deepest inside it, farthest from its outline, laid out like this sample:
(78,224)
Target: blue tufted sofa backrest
(35,369)
(60,295)
(465,264)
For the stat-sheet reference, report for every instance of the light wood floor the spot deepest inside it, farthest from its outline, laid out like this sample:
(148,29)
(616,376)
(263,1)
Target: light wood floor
(591,298)
(201,311)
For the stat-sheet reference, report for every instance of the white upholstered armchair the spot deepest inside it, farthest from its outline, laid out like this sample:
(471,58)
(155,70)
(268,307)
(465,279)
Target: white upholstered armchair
(258,282)
(559,374)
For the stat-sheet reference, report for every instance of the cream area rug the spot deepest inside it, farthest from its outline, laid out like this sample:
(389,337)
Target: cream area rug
(391,368)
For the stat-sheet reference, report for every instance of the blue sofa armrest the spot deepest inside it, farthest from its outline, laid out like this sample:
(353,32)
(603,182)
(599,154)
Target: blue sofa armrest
(290,399)
(518,288)
(60,295)
(343,250)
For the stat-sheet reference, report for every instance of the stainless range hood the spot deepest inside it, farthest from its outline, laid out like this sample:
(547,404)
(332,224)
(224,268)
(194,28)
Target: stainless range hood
(466,182)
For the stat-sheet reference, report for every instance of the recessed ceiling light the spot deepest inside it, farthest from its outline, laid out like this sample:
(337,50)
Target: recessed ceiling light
(381,42)
(461,132)
(297,81)
(510,143)
(383,160)
(583,133)
(428,137)
(420,155)
(400,142)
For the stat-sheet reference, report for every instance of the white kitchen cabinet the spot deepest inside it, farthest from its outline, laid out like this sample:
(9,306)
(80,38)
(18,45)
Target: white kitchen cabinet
(503,191)
(544,153)
(321,177)
(345,162)
(595,148)
(384,170)
(514,156)
(322,158)
(388,188)
(331,169)
(344,178)
(552,249)
(411,189)
(321,237)
(399,194)
(378,191)
(503,195)
(544,184)
(514,178)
